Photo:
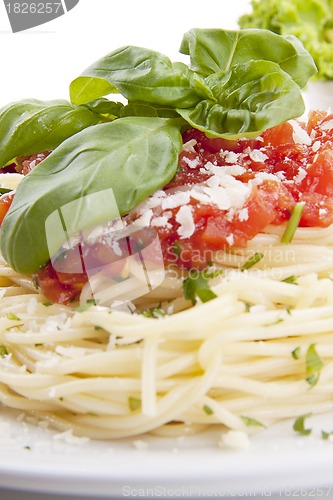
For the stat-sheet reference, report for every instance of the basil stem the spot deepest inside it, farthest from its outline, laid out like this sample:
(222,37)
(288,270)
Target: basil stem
(293,222)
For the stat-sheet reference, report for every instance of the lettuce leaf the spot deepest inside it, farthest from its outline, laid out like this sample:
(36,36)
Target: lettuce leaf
(309,20)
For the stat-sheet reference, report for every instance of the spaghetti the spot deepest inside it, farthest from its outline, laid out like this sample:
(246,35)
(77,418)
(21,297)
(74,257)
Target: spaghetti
(261,351)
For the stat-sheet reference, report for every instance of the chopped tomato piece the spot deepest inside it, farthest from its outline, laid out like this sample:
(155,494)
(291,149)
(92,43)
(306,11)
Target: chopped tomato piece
(54,288)
(5,202)
(281,134)
(319,178)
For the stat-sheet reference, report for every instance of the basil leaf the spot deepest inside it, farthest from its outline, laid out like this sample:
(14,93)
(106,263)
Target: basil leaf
(197,286)
(144,109)
(133,156)
(248,99)
(139,75)
(216,50)
(32,126)
(105,107)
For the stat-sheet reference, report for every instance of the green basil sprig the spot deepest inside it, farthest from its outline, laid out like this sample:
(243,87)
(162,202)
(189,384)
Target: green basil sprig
(251,97)
(215,50)
(139,75)
(134,156)
(237,85)
(33,126)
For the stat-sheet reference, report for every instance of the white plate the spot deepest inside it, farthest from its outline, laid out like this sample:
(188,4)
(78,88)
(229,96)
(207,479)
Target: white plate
(32,458)
(277,461)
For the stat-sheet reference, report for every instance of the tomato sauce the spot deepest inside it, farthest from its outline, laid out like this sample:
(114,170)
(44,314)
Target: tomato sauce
(226,192)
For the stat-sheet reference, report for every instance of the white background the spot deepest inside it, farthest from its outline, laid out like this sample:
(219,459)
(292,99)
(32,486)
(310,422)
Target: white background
(42,61)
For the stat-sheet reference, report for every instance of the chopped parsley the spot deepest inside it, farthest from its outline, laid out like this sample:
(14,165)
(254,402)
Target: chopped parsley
(197,286)
(293,222)
(47,304)
(252,261)
(252,422)
(299,425)
(313,365)
(296,353)
(13,317)
(207,409)
(290,279)
(134,403)
(153,312)
(3,351)
(326,435)
(86,306)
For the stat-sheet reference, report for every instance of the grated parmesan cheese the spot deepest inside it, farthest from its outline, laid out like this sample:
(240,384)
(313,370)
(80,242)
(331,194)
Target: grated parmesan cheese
(230,239)
(176,200)
(258,156)
(300,176)
(188,147)
(10,181)
(230,156)
(185,218)
(328,125)
(191,163)
(243,214)
(69,438)
(260,177)
(300,135)
(161,221)
(315,146)
(140,445)
(235,440)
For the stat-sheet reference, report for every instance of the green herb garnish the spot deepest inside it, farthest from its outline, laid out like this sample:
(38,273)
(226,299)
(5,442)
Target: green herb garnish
(153,312)
(293,222)
(313,365)
(3,351)
(252,261)
(13,317)
(236,84)
(290,279)
(134,403)
(326,435)
(86,306)
(252,422)
(296,353)
(207,409)
(299,425)
(196,285)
